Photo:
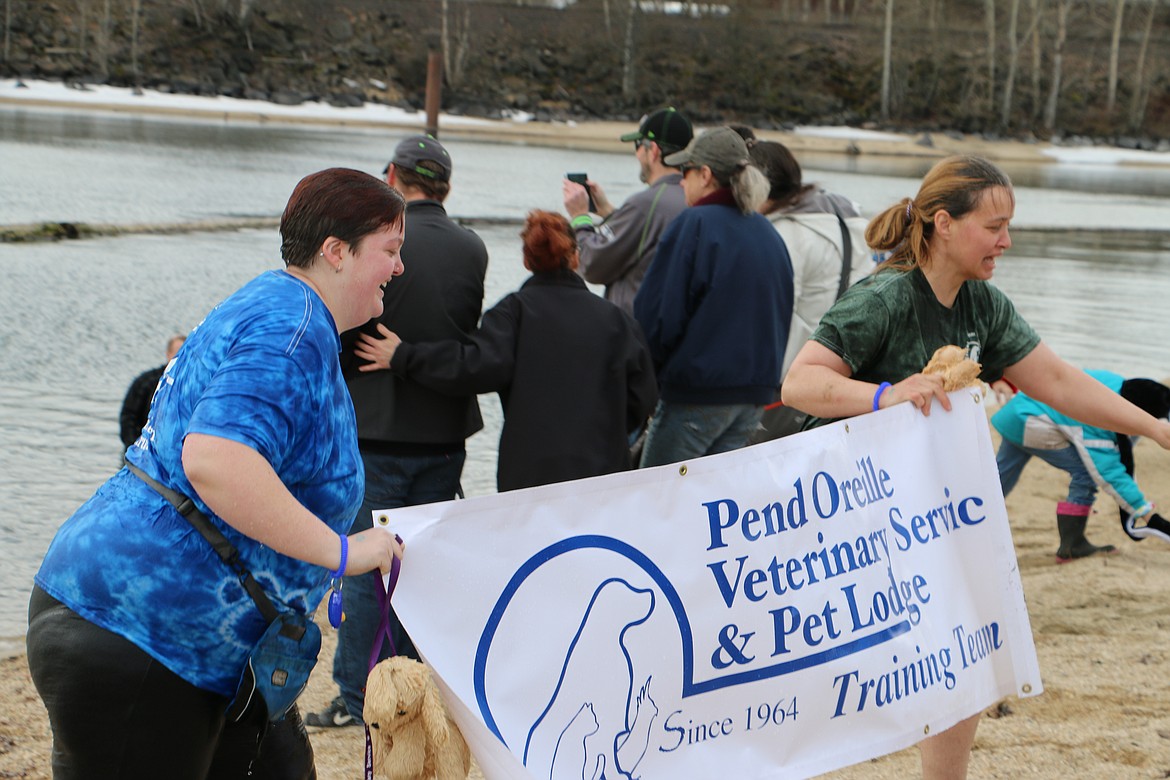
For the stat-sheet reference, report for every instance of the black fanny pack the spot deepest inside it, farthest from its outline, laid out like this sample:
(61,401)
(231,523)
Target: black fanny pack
(279,665)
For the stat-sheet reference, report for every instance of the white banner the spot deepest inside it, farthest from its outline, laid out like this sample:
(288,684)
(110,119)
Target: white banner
(779,611)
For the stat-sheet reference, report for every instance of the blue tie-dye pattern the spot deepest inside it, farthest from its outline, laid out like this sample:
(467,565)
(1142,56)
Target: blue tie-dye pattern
(262,369)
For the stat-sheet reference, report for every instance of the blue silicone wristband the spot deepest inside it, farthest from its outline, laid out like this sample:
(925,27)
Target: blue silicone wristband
(877,397)
(344,557)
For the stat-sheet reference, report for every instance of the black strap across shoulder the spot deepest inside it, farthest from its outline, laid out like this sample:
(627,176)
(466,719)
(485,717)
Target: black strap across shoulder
(223,548)
(846,257)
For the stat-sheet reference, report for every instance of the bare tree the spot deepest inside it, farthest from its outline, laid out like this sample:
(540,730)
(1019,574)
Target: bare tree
(1114,55)
(7,30)
(135,13)
(1009,82)
(82,25)
(1137,102)
(628,52)
(886,54)
(934,10)
(197,10)
(104,31)
(245,19)
(445,37)
(1037,55)
(989,5)
(1062,8)
(1014,59)
(454,51)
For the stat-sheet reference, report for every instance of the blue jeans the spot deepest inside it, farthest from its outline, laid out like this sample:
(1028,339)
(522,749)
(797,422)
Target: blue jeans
(391,481)
(681,431)
(1012,458)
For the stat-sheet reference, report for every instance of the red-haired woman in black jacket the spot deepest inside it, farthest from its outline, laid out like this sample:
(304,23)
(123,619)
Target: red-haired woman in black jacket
(572,370)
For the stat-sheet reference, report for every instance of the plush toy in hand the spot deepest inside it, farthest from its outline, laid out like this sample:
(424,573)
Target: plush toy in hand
(958,370)
(412,736)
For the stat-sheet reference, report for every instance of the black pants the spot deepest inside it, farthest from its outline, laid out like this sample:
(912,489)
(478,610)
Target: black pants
(116,712)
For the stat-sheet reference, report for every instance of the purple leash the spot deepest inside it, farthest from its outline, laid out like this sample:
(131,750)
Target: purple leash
(385,591)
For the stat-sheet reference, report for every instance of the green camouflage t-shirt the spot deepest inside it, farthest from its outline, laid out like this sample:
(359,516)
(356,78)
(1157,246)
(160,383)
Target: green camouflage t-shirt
(888,326)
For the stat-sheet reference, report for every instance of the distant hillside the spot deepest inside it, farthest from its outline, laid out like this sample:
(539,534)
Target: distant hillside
(769,63)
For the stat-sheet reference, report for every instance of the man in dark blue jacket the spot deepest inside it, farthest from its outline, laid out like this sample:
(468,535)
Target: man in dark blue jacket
(715,306)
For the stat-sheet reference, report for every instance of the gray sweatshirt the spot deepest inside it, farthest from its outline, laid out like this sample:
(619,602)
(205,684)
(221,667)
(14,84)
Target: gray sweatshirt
(617,252)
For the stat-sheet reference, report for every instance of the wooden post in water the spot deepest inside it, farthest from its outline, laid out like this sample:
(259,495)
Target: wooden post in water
(434,91)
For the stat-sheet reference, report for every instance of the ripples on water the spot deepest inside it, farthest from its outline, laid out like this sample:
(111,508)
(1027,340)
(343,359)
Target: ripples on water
(63,166)
(1100,300)
(79,320)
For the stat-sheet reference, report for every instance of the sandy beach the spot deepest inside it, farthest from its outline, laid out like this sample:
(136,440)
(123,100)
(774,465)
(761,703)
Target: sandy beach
(1100,625)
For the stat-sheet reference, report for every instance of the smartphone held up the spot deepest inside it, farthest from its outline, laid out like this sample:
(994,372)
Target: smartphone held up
(583,180)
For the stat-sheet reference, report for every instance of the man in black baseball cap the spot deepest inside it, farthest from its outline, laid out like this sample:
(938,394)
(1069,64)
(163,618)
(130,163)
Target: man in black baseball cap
(666,127)
(616,249)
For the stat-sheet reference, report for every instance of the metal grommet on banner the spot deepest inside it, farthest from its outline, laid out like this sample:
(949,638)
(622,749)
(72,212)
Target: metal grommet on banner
(382,519)
(926,729)
(1027,688)
(846,427)
(977,397)
(682,470)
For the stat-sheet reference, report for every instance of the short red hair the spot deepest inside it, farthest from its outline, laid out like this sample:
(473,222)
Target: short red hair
(549,242)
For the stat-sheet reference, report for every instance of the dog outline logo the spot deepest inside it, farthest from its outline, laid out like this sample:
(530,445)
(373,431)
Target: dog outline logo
(660,648)
(596,682)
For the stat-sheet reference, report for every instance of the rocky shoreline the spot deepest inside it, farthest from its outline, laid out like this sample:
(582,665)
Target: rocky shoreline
(585,61)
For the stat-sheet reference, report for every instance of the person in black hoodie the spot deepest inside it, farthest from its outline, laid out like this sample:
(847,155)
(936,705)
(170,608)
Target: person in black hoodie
(572,370)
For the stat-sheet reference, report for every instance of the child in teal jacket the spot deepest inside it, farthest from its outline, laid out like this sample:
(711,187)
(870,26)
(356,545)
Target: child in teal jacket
(1093,457)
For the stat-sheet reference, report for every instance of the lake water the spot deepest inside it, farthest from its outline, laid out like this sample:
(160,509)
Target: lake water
(79,320)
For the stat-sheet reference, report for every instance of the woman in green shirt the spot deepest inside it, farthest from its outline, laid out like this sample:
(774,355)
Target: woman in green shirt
(869,349)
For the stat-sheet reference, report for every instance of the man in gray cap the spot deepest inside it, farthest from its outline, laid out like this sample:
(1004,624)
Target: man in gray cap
(411,438)
(617,252)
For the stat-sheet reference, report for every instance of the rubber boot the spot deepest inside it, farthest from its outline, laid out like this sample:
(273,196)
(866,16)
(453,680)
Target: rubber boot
(1071,520)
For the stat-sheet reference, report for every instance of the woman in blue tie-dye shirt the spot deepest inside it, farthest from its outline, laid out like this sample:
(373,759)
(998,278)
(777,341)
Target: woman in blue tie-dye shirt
(138,633)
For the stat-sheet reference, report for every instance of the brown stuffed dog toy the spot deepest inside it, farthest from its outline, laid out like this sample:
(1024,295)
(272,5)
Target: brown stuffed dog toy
(958,370)
(412,736)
